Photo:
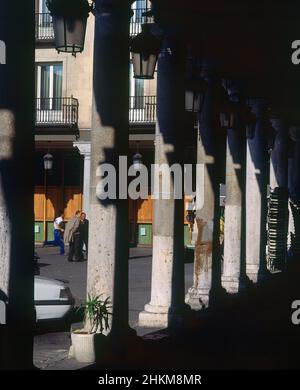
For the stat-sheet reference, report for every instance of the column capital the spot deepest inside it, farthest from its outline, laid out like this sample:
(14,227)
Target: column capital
(108,5)
(233,88)
(295,133)
(277,123)
(209,67)
(258,106)
(84,147)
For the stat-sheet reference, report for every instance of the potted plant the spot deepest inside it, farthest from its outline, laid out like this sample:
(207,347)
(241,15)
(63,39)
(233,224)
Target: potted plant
(69,23)
(96,312)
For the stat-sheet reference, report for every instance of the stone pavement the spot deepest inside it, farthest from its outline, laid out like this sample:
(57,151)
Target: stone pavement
(249,330)
(50,347)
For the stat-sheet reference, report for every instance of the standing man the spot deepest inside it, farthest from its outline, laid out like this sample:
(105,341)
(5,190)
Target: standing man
(84,232)
(72,237)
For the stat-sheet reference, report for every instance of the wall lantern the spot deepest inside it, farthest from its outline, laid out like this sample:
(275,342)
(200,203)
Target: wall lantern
(137,160)
(48,162)
(195,95)
(145,48)
(69,24)
(226,120)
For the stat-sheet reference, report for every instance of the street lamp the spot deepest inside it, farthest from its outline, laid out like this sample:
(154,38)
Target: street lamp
(48,164)
(145,48)
(69,24)
(195,91)
(137,160)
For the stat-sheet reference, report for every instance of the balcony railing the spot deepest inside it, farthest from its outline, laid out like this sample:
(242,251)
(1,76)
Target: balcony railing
(43,27)
(61,112)
(138,19)
(142,109)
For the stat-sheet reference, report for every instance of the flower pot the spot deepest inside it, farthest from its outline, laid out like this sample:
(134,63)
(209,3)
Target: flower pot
(83,347)
(69,33)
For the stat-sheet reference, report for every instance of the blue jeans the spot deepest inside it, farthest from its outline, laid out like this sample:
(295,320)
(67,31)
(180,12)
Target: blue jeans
(58,241)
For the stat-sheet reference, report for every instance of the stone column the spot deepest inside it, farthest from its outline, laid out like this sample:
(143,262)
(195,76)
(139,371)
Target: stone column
(256,194)
(294,192)
(167,288)
(207,249)
(279,155)
(278,198)
(108,229)
(16,184)
(85,150)
(233,278)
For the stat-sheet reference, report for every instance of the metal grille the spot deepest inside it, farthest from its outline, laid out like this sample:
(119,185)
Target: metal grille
(138,19)
(43,27)
(54,111)
(142,109)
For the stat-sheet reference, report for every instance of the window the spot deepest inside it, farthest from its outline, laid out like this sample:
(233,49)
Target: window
(136,91)
(42,7)
(139,7)
(49,86)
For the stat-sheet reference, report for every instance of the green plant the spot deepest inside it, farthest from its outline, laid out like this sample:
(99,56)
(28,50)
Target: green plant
(96,312)
(69,8)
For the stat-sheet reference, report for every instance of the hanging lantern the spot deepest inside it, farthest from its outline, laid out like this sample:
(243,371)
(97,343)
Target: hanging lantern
(69,24)
(144,48)
(229,107)
(195,95)
(48,162)
(137,161)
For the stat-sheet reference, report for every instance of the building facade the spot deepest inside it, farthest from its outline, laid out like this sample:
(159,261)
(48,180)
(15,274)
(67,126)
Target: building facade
(63,124)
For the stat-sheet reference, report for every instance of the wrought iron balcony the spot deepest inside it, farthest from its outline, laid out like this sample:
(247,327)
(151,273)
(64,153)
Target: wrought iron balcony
(57,112)
(43,27)
(142,109)
(138,19)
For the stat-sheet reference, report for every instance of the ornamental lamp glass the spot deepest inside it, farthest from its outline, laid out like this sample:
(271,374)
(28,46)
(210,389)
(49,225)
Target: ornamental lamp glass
(137,161)
(226,120)
(69,23)
(195,95)
(145,48)
(48,162)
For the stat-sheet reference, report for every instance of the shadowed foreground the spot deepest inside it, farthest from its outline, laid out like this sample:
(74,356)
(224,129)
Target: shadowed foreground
(252,330)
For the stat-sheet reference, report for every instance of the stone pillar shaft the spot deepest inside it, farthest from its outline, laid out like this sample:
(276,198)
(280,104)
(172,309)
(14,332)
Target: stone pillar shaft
(85,150)
(234,210)
(278,198)
(16,184)
(279,156)
(294,192)
(207,251)
(108,234)
(256,194)
(167,287)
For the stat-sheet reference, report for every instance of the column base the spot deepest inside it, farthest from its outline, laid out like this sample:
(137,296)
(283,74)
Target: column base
(162,316)
(232,285)
(197,298)
(256,275)
(154,316)
(153,320)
